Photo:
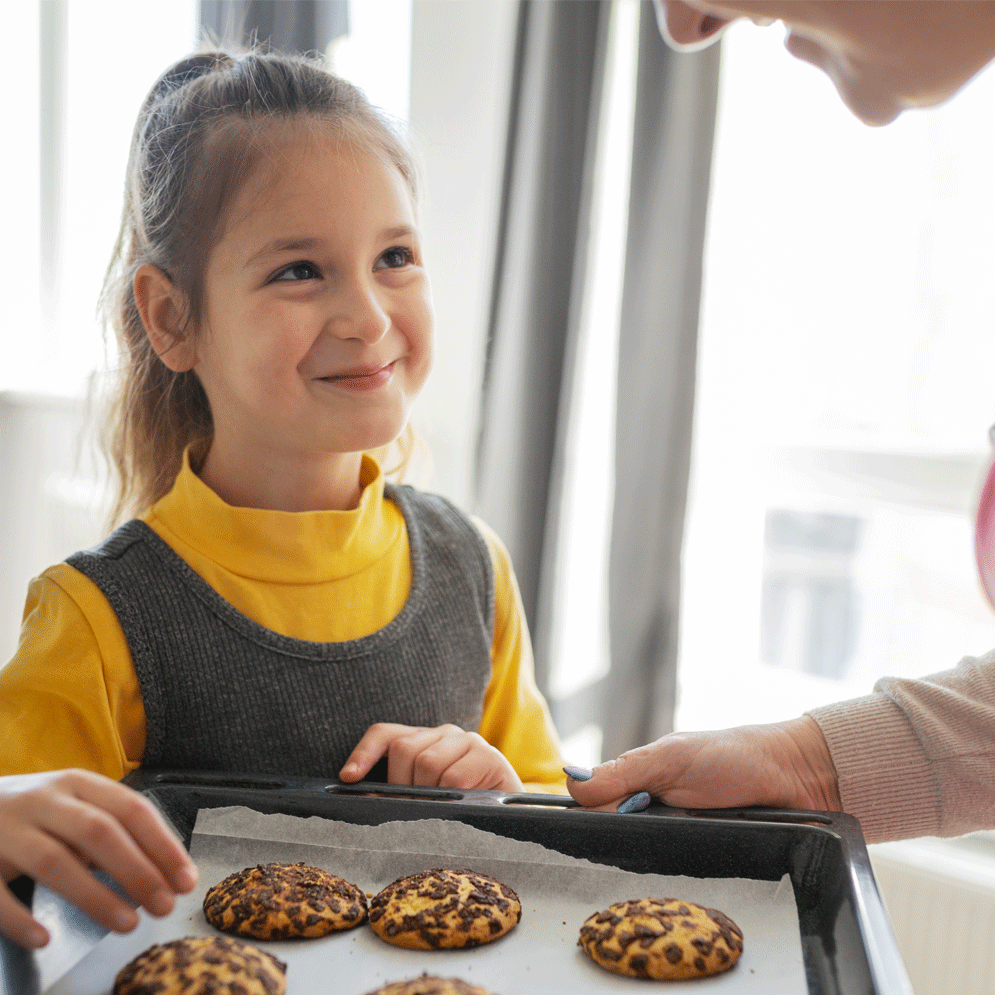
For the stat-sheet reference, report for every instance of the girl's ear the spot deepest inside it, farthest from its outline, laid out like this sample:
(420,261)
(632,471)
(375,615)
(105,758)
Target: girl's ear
(162,311)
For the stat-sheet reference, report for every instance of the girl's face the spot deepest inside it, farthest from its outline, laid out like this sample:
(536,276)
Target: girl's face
(316,331)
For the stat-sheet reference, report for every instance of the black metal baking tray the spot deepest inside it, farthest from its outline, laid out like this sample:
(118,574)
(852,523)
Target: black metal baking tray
(847,941)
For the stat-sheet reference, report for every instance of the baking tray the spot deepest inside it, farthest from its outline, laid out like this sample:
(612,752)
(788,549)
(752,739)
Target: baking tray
(847,942)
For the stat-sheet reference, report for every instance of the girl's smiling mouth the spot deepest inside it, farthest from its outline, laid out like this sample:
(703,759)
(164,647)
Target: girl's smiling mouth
(361,378)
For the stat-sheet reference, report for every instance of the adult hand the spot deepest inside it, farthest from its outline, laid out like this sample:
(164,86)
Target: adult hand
(786,764)
(441,756)
(56,827)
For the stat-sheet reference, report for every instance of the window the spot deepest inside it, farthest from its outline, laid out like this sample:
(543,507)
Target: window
(580,649)
(844,394)
(376,53)
(83,80)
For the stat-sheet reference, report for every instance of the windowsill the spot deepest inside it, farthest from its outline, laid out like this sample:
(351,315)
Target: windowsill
(968,860)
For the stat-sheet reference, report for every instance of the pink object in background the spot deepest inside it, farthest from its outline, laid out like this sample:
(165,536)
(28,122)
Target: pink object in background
(984,531)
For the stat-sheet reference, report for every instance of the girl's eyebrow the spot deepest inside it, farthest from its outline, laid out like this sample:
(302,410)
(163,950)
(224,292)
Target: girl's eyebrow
(283,245)
(400,231)
(308,244)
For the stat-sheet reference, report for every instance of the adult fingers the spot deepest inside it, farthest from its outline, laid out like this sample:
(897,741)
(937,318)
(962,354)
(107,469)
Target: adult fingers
(607,785)
(637,802)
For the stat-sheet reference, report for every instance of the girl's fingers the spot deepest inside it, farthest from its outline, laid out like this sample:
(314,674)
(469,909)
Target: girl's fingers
(435,765)
(428,757)
(78,836)
(369,750)
(50,862)
(17,923)
(378,741)
(153,841)
(409,757)
(481,768)
(56,832)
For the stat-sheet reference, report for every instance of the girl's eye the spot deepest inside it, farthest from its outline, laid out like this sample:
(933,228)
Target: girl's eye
(394,258)
(297,271)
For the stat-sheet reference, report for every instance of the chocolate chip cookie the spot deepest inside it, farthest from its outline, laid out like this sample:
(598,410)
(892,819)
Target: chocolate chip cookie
(202,965)
(284,902)
(444,909)
(427,985)
(661,938)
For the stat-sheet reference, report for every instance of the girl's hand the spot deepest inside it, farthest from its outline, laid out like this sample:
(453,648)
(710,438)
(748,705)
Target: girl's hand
(786,765)
(56,827)
(440,757)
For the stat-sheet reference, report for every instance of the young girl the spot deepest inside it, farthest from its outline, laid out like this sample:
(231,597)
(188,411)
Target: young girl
(276,606)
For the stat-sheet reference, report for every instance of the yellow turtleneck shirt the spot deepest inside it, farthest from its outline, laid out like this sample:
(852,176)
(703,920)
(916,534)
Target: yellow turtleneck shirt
(70,696)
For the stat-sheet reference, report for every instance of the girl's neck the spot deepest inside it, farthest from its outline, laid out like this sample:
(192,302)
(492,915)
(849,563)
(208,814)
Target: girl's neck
(329,482)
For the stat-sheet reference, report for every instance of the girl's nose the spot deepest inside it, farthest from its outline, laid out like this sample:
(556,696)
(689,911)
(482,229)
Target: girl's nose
(359,314)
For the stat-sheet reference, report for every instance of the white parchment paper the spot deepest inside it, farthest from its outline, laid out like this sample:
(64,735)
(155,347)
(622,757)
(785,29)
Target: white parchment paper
(540,955)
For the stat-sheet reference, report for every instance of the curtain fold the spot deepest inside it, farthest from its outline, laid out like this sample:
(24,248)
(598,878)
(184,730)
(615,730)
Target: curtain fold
(536,297)
(539,282)
(676,96)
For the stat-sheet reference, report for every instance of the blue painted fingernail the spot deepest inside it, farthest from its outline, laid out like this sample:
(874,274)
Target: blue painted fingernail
(635,803)
(579,773)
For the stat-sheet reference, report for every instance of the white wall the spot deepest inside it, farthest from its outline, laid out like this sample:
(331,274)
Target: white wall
(52,505)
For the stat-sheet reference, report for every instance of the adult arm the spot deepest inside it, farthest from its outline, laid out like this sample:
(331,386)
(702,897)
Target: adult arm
(915,758)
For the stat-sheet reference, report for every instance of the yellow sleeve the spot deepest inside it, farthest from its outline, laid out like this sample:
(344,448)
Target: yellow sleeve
(69,697)
(516,718)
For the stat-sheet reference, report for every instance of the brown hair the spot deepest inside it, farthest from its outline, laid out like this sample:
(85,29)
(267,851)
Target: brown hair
(198,137)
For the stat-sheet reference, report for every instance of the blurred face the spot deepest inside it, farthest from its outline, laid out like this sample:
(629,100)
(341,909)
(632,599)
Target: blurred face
(317,324)
(883,57)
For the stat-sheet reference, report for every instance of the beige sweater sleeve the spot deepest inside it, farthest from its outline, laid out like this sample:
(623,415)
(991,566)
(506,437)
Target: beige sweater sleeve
(917,757)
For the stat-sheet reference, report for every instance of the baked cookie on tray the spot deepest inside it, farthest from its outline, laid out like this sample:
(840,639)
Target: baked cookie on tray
(661,938)
(202,965)
(284,902)
(444,909)
(428,985)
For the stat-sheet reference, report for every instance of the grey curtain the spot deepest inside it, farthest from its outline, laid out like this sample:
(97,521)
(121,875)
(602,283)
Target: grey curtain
(672,152)
(537,289)
(289,25)
(538,286)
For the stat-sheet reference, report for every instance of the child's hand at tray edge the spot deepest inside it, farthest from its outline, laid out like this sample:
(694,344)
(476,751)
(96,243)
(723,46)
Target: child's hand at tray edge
(438,757)
(785,764)
(57,826)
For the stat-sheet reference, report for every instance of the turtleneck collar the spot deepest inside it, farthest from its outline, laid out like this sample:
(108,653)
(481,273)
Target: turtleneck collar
(279,546)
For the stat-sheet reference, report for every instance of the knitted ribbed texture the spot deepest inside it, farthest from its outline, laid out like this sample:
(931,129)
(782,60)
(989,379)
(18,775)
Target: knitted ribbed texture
(222,692)
(918,757)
